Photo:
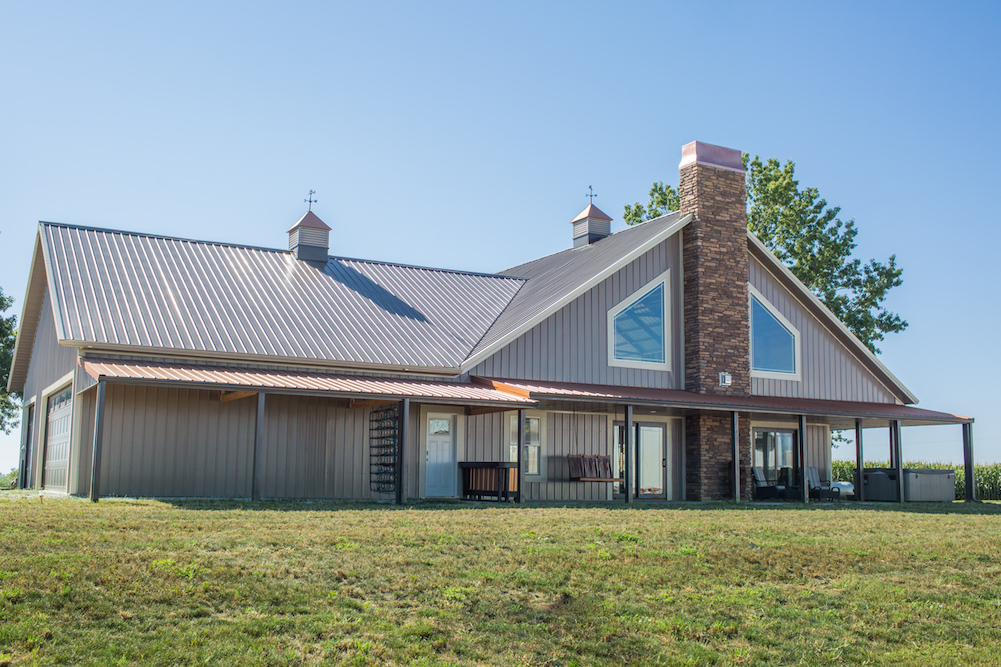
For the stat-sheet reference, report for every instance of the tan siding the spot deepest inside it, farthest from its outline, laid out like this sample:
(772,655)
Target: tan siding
(818,449)
(571,345)
(830,371)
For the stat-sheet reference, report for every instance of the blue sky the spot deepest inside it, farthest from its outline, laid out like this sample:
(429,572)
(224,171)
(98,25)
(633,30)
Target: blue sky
(465,135)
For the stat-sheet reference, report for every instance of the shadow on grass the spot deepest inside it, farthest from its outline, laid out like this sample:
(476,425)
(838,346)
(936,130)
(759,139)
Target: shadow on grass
(980,508)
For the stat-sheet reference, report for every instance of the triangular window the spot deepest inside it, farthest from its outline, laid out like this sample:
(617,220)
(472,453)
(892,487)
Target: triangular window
(774,341)
(638,333)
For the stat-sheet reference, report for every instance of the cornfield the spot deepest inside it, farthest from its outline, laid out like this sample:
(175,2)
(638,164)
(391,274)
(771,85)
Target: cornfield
(988,475)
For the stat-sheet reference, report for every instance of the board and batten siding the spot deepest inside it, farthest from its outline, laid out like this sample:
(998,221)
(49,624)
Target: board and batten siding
(818,449)
(830,371)
(571,345)
(49,362)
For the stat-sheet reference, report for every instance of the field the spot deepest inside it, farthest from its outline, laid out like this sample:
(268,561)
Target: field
(158,583)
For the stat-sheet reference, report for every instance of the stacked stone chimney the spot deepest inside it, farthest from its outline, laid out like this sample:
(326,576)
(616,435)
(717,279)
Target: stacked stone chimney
(717,329)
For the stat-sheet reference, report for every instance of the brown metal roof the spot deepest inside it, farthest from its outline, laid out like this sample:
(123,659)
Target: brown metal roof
(311,220)
(142,372)
(592,212)
(539,390)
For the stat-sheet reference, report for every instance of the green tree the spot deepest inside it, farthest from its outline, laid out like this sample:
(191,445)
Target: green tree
(10,404)
(808,237)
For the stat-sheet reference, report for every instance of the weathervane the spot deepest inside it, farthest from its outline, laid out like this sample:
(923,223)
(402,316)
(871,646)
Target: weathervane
(590,194)
(311,200)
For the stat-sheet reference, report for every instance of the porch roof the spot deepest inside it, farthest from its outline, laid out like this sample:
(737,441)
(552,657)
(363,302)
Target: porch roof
(674,398)
(298,382)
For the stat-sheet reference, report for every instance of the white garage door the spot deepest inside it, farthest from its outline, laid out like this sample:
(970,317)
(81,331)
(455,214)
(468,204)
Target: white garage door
(57,441)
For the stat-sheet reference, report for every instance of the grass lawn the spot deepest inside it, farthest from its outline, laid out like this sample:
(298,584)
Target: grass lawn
(159,583)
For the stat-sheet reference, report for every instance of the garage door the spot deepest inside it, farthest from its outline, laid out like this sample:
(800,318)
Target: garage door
(57,441)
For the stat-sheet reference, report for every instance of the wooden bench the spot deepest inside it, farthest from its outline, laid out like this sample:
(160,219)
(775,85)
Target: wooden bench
(489,478)
(591,468)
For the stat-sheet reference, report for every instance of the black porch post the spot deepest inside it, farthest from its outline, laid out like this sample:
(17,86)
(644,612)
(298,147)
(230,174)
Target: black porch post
(255,490)
(735,436)
(968,469)
(627,473)
(893,448)
(859,462)
(520,471)
(898,459)
(95,459)
(401,448)
(801,449)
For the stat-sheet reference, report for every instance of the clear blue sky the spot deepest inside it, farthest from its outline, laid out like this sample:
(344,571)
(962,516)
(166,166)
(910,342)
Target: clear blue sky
(465,135)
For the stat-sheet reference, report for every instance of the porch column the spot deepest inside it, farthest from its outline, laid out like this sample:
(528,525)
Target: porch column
(255,492)
(801,450)
(401,447)
(898,458)
(859,462)
(968,469)
(95,459)
(520,470)
(735,437)
(627,476)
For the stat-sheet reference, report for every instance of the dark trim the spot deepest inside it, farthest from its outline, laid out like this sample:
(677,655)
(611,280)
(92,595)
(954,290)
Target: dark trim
(401,448)
(95,459)
(801,450)
(859,463)
(627,474)
(969,468)
(898,458)
(520,472)
(735,441)
(255,492)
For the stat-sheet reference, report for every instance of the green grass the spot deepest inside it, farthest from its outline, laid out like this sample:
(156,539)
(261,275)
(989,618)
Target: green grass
(155,583)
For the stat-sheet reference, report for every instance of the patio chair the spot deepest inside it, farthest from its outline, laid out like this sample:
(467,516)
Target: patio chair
(818,489)
(762,489)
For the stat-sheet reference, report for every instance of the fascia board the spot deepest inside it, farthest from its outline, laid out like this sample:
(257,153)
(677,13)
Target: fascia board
(512,335)
(26,333)
(803,293)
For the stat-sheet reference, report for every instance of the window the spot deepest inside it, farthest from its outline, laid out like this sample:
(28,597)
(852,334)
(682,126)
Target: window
(775,453)
(638,328)
(534,459)
(774,341)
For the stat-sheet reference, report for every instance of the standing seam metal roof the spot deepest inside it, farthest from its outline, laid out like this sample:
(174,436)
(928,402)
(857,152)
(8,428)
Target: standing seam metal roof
(127,289)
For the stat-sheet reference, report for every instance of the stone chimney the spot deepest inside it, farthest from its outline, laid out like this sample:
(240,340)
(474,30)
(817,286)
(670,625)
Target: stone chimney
(590,226)
(309,238)
(717,332)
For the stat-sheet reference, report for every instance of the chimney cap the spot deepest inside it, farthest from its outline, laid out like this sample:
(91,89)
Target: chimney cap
(592,212)
(310,220)
(699,152)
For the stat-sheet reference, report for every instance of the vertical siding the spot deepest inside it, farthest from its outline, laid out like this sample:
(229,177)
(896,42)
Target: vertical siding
(818,449)
(49,362)
(830,371)
(571,345)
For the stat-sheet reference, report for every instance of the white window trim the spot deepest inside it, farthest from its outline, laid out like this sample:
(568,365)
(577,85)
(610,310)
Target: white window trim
(797,339)
(665,280)
(543,456)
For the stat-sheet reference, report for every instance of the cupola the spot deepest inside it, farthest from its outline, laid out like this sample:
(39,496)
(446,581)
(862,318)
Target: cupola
(309,238)
(590,226)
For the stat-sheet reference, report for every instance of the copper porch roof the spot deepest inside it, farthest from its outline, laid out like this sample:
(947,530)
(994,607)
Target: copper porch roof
(568,391)
(219,377)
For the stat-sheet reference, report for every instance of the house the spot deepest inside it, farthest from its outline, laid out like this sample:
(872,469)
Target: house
(663,361)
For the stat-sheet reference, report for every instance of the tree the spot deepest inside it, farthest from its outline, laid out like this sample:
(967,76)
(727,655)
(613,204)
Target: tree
(808,237)
(10,404)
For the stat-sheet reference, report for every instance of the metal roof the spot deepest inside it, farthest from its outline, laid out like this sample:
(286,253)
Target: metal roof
(126,290)
(220,377)
(555,280)
(540,390)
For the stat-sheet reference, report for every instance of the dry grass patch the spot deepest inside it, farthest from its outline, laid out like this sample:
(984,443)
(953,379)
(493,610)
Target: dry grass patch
(147,582)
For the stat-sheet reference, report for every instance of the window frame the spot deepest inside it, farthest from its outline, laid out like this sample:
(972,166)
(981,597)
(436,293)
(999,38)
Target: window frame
(665,280)
(775,429)
(511,432)
(795,376)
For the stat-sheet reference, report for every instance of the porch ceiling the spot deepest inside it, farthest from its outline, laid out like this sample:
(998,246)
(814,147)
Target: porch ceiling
(834,412)
(298,382)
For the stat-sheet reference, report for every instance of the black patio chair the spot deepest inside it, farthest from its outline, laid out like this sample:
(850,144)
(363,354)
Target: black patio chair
(820,490)
(762,489)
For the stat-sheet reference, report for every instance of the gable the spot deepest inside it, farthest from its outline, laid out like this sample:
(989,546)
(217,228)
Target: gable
(827,368)
(572,344)
(49,361)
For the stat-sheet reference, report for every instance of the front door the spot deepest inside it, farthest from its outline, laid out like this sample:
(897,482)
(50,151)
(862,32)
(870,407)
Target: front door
(440,462)
(650,476)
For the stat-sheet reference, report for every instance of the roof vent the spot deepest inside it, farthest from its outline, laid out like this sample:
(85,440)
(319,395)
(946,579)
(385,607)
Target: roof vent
(590,226)
(309,238)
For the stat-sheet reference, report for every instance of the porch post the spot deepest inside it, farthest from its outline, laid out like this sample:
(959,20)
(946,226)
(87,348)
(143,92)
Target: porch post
(627,475)
(401,448)
(95,458)
(735,437)
(968,465)
(520,472)
(255,492)
(893,448)
(801,449)
(859,462)
(898,458)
